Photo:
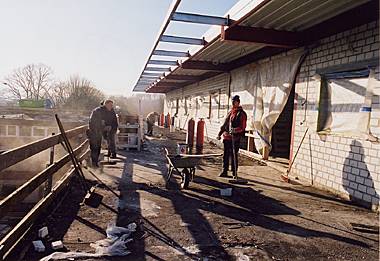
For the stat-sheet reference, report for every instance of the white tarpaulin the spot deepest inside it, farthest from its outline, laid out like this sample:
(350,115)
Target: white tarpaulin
(275,84)
(269,84)
(346,103)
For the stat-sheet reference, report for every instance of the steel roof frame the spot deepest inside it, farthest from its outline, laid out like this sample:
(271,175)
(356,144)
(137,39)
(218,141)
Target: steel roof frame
(172,15)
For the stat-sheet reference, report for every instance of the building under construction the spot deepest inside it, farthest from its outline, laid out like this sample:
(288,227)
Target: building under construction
(307,74)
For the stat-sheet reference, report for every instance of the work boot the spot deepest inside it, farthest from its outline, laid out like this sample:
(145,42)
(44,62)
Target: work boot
(95,164)
(223,174)
(113,156)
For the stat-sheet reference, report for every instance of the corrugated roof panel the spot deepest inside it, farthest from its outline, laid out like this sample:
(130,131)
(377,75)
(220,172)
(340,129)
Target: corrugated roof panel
(280,14)
(292,15)
(326,13)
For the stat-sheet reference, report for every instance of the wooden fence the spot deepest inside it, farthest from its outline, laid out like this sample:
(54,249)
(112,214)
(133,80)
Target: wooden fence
(11,157)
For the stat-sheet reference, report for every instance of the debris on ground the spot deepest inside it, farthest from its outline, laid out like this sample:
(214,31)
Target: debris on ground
(43,232)
(114,245)
(38,246)
(227,192)
(57,245)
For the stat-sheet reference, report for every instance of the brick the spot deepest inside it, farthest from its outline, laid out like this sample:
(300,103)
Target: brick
(363,173)
(368,182)
(362,165)
(353,185)
(362,188)
(375,46)
(353,163)
(359,180)
(351,177)
(371,191)
(355,171)
(358,195)
(350,191)
(357,157)
(368,55)
(360,36)
(367,198)
(374,160)
(370,40)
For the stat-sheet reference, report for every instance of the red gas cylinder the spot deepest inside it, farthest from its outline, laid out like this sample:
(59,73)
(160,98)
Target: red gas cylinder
(162,119)
(168,122)
(190,133)
(200,136)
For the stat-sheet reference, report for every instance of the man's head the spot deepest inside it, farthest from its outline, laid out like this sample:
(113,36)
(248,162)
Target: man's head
(236,101)
(108,104)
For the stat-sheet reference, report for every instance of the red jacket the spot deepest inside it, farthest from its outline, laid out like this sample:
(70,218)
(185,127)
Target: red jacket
(236,119)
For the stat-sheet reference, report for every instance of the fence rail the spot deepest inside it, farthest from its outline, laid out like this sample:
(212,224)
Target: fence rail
(11,157)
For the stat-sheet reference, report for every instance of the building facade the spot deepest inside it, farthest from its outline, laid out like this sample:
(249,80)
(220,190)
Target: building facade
(343,162)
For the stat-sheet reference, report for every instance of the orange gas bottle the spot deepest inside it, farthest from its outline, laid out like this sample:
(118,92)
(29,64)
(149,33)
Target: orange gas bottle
(162,119)
(168,121)
(190,134)
(200,136)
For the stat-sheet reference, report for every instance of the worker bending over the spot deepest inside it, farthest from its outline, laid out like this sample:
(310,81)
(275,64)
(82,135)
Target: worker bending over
(103,123)
(150,120)
(232,130)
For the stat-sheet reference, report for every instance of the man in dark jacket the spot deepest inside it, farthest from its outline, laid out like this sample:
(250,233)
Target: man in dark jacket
(103,121)
(111,128)
(232,130)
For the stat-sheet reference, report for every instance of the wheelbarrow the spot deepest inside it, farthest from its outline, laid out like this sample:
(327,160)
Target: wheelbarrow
(184,164)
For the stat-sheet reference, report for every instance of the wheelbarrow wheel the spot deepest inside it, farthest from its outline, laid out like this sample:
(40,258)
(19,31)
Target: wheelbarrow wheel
(185,178)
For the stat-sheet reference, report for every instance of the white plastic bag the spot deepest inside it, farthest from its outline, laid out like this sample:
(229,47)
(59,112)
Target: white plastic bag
(114,245)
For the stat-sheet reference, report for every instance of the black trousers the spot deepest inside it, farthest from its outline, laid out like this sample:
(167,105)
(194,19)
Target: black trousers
(228,154)
(95,146)
(150,128)
(111,142)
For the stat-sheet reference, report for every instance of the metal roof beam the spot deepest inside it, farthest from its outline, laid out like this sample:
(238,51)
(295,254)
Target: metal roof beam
(182,40)
(202,65)
(152,74)
(200,19)
(162,62)
(257,35)
(157,69)
(148,77)
(171,53)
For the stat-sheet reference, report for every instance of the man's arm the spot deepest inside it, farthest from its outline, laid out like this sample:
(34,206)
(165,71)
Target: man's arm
(95,120)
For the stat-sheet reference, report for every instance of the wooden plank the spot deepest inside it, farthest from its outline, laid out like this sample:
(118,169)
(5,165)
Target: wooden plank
(22,192)
(16,234)
(18,154)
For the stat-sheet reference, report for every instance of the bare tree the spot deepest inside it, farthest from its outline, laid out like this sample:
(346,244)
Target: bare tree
(76,93)
(30,82)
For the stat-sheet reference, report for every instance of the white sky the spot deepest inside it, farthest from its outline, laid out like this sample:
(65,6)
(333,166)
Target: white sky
(106,41)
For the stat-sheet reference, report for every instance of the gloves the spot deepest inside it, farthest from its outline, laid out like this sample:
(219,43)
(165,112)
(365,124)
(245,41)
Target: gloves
(218,137)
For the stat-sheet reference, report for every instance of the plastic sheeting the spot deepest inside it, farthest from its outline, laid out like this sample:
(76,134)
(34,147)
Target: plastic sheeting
(345,103)
(269,85)
(113,245)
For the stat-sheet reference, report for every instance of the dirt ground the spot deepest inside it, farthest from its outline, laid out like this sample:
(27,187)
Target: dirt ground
(266,219)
